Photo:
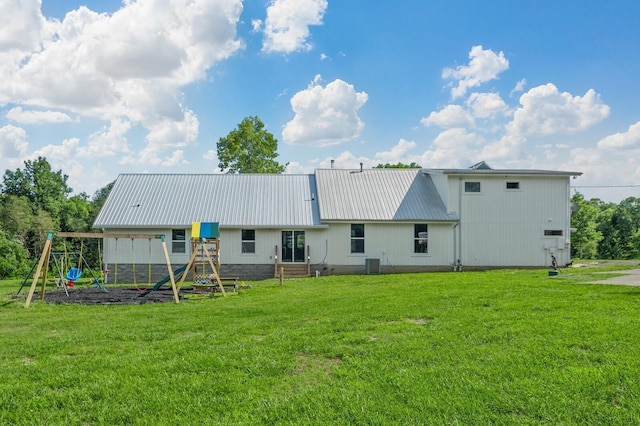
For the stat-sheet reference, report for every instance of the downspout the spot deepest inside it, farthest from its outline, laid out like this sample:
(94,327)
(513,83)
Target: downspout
(459,220)
(455,245)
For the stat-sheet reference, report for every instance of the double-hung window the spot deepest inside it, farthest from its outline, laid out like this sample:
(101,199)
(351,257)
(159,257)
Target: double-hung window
(178,241)
(248,241)
(420,238)
(357,238)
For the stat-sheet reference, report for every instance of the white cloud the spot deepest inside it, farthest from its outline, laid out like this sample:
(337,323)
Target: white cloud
(519,87)
(397,154)
(508,147)
(286,28)
(128,66)
(59,154)
(486,105)
(484,65)
(626,140)
(546,111)
(34,117)
(108,141)
(325,115)
(13,142)
(448,117)
(21,24)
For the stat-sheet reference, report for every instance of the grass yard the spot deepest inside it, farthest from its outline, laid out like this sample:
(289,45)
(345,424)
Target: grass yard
(499,347)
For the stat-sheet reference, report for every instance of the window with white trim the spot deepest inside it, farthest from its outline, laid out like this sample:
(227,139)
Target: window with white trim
(178,241)
(420,238)
(357,238)
(472,186)
(248,241)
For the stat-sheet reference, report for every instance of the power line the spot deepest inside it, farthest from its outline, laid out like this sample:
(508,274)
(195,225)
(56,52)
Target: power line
(605,186)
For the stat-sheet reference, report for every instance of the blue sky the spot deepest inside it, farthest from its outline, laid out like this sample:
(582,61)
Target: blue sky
(107,87)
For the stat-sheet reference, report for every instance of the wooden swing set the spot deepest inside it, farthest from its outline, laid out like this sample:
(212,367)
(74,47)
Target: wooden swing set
(42,268)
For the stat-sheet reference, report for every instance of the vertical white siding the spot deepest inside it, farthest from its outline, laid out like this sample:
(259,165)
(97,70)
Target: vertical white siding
(503,227)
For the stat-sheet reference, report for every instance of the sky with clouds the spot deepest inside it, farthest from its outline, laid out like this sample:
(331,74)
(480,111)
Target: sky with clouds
(102,87)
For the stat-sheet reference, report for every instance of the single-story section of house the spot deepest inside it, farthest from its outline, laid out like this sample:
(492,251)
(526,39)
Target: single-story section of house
(340,221)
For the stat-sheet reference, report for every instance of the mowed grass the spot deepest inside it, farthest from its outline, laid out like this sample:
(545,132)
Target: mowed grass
(497,347)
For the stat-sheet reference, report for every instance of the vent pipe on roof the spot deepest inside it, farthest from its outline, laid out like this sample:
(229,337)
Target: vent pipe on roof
(333,163)
(360,167)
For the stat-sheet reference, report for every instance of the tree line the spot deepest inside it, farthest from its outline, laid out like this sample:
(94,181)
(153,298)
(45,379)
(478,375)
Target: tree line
(605,230)
(35,200)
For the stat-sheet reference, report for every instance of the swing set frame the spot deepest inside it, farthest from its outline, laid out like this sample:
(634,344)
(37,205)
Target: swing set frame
(43,264)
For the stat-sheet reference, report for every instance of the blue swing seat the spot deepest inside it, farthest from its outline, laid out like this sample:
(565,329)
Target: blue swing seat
(73,275)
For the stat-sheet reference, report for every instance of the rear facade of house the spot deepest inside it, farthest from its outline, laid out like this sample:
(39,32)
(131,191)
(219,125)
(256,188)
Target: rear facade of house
(338,221)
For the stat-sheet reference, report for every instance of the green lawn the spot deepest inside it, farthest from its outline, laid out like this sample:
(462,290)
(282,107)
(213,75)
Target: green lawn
(499,347)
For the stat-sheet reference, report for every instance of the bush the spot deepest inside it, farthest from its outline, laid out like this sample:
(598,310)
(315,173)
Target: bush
(14,258)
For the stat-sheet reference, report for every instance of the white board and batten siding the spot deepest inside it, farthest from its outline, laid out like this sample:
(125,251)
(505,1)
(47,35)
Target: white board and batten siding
(503,226)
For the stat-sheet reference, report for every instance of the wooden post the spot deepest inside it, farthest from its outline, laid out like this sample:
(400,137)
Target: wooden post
(171,277)
(44,257)
(308,261)
(194,253)
(275,262)
(281,275)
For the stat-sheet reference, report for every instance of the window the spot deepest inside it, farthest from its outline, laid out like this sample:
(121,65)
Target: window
(248,241)
(357,238)
(513,185)
(178,241)
(420,238)
(553,232)
(472,187)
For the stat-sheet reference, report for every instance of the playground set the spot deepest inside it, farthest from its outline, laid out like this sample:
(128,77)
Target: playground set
(65,269)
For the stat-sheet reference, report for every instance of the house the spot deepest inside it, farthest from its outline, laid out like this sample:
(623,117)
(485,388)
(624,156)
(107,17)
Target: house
(338,221)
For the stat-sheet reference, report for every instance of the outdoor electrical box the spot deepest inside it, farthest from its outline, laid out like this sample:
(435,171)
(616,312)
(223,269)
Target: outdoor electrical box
(372,266)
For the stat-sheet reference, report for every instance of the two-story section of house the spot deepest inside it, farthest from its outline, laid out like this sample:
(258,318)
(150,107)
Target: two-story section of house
(507,218)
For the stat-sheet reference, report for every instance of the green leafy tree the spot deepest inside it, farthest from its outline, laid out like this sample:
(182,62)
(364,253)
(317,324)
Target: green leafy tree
(76,215)
(584,241)
(16,216)
(412,165)
(249,149)
(14,261)
(44,188)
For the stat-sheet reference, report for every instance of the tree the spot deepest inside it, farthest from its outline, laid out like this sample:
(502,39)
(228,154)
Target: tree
(413,165)
(249,149)
(584,241)
(14,260)
(44,188)
(16,216)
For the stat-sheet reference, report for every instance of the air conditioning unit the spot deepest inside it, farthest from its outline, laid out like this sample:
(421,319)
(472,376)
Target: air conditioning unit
(372,266)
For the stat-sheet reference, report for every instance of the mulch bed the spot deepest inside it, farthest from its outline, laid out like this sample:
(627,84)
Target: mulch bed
(113,296)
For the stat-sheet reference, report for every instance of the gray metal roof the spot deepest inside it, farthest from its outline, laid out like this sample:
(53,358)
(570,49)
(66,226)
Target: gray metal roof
(379,194)
(233,200)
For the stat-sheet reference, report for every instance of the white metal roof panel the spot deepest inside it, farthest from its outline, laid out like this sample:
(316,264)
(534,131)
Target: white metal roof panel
(233,200)
(379,195)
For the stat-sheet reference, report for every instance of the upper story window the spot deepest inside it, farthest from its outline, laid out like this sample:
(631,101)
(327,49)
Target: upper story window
(178,241)
(472,187)
(513,185)
(420,238)
(357,238)
(248,241)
